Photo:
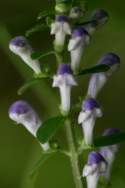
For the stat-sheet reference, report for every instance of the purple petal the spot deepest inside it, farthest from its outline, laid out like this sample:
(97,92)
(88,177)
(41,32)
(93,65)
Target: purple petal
(64,69)
(109,59)
(79,32)
(95,158)
(62,18)
(20,107)
(89,104)
(111,131)
(99,15)
(19,41)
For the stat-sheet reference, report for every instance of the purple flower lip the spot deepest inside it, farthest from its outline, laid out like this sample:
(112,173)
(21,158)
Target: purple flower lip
(19,41)
(110,59)
(111,131)
(79,32)
(99,14)
(62,18)
(64,69)
(20,107)
(89,104)
(95,158)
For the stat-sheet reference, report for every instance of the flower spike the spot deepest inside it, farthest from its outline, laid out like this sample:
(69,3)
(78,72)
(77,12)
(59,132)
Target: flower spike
(20,46)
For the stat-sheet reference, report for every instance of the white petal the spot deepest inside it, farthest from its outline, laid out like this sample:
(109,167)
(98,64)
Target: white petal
(60,38)
(75,43)
(55,28)
(33,64)
(98,112)
(92,181)
(88,126)
(97,81)
(67,28)
(89,170)
(83,116)
(76,56)
(66,79)
(65,93)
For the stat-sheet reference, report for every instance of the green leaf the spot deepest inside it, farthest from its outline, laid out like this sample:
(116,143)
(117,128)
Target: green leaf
(27,85)
(44,157)
(39,55)
(49,128)
(109,140)
(37,28)
(45,13)
(95,69)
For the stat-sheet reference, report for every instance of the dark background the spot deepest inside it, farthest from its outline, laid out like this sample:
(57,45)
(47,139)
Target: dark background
(18,149)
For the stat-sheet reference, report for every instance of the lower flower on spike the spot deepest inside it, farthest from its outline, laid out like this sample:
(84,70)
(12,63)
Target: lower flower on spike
(87,117)
(109,152)
(22,113)
(64,80)
(98,80)
(95,167)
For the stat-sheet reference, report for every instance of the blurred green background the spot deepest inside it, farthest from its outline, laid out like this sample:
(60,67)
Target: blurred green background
(18,149)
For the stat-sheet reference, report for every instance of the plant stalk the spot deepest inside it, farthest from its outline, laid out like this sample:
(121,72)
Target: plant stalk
(74,158)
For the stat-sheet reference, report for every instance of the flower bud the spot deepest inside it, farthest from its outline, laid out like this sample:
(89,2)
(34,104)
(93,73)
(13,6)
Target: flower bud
(20,46)
(22,113)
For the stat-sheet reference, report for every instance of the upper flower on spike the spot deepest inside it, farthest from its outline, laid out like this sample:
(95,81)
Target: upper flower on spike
(80,37)
(60,28)
(64,80)
(90,107)
(97,18)
(99,15)
(76,12)
(19,45)
(21,112)
(96,164)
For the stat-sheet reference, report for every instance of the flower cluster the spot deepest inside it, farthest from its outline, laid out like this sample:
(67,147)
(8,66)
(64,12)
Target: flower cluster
(79,37)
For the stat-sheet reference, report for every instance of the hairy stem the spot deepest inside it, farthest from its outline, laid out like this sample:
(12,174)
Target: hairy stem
(73,155)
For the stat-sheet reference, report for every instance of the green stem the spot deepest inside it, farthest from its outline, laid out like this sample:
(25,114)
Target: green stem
(73,155)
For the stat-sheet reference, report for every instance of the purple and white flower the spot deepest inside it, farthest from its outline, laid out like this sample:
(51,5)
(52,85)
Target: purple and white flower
(20,46)
(64,80)
(98,80)
(97,18)
(80,39)
(60,28)
(87,117)
(22,113)
(76,12)
(95,167)
(109,152)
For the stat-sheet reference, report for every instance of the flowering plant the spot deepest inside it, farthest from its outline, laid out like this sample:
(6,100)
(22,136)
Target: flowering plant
(72,35)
